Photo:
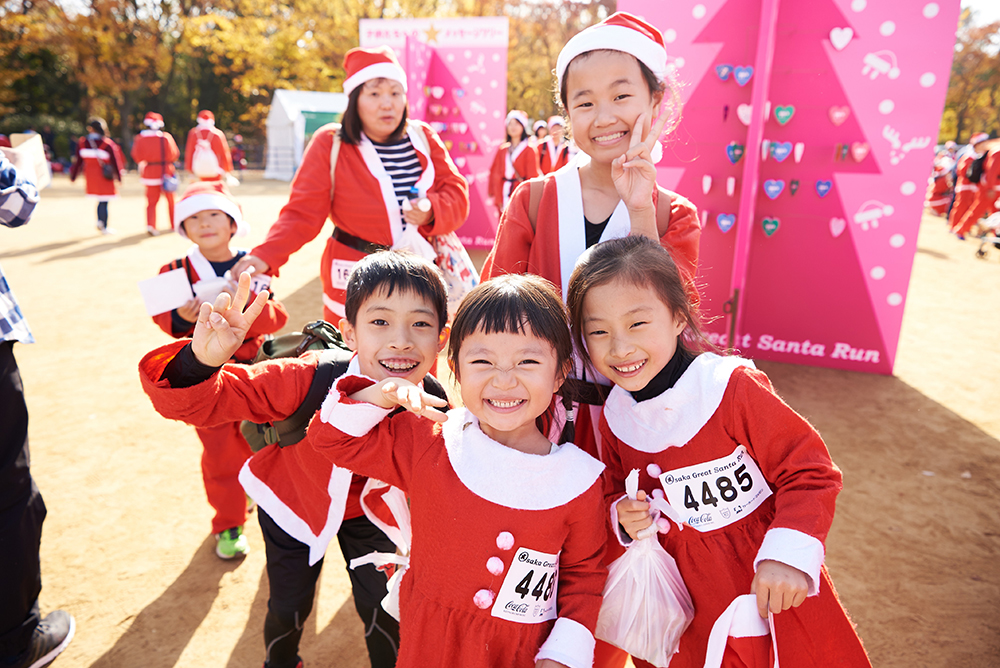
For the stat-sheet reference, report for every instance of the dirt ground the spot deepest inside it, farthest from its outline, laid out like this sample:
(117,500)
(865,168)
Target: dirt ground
(126,549)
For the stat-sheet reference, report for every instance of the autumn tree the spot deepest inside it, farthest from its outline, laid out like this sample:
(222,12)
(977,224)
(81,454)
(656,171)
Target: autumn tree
(973,101)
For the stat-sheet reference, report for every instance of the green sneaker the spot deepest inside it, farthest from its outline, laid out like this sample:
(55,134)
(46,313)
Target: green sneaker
(231,543)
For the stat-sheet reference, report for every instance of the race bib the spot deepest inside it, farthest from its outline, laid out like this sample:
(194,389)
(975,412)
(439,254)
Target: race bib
(528,593)
(339,272)
(715,494)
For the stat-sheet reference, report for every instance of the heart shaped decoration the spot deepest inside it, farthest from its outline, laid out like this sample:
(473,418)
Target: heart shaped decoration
(439,127)
(435,109)
(781,150)
(837,226)
(745,113)
(458,92)
(437,92)
(723,71)
(734,152)
(448,144)
(773,188)
(793,187)
(841,37)
(460,161)
(742,74)
(859,151)
(823,187)
(784,114)
(839,114)
(460,128)
(770,225)
(725,221)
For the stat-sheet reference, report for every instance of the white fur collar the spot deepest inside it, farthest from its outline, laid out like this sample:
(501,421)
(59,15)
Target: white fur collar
(673,418)
(512,478)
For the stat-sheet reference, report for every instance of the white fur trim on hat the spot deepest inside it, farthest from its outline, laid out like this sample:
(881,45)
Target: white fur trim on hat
(556,120)
(520,117)
(613,38)
(385,70)
(192,204)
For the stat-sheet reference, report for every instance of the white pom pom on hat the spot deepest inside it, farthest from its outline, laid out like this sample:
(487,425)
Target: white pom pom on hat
(619,32)
(153,120)
(205,196)
(361,65)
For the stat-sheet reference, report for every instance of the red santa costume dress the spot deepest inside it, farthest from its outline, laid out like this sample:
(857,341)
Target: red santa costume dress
(552,156)
(512,165)
(507,547)
(225,448)
(205,131)
(155,152)
(752,480)
(987,190)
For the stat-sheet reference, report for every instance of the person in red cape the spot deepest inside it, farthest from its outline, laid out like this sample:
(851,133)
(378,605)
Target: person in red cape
(155,152)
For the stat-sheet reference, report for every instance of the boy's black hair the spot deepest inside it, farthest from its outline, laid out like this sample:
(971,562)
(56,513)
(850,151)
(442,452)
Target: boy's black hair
(513,303)
(97,124)
(350,122)
(395,270)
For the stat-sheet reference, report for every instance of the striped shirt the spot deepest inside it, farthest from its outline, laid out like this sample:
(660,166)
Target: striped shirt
(402,165)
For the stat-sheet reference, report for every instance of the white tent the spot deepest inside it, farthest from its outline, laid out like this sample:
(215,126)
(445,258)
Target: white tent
(294,116)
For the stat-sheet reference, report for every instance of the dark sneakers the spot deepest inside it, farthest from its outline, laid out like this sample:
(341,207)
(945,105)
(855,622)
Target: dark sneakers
(51,637)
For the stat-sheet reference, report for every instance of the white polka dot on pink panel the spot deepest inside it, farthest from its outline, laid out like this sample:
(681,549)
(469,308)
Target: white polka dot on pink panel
(505,540)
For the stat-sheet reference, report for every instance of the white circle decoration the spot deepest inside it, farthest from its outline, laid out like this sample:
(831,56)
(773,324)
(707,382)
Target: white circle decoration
(494,84)
(887,28)
(496,57)
(698,11)
(878,273)
(497,113)
(894,299)
(482,126)
(897,240)
(451,57)
(859,5)
(886,106)
(927,79)
(679,62)
(908,188)
(669,35)
(478,91)
(465,80)
(467,54)
(931,10)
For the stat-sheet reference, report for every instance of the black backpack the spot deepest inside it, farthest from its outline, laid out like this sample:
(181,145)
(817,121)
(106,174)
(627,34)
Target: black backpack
(333,361)
(332,364)
(975,171)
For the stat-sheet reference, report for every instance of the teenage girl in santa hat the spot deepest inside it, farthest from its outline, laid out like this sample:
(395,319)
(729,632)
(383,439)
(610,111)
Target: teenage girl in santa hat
(206,153)
(155,152)
(391,183)
(516,160)
(102,164)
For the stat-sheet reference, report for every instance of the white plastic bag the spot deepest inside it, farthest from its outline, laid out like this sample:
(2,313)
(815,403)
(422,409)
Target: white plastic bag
(646,606)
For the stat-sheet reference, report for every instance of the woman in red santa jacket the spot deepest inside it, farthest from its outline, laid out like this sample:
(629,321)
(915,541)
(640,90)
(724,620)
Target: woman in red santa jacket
(516,161)
(102,164)
(391,183)
(155,152)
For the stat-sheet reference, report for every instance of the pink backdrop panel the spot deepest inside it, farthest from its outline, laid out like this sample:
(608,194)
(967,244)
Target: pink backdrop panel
(457,71)
(856,93)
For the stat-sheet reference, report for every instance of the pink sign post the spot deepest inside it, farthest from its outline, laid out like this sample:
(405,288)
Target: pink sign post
(812,237)
(457,71)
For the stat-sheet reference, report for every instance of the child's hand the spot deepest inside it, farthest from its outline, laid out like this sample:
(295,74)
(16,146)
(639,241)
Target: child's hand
(248,261)
(778,586)
(634,515)
(190,310)
(634,175)
(222,326)
(399,392)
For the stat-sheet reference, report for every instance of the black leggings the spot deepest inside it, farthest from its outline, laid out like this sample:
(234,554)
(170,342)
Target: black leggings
(102,213)
(293,589)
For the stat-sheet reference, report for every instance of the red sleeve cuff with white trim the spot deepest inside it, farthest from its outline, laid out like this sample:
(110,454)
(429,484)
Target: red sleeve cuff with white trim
(569,643)
(354,418)
(796,549)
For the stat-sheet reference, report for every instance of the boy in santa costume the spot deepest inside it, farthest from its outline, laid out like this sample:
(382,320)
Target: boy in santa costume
(205,141)
(516,160)
(554,151)
(396,311)
(383,180)
(208,216)
(155,152)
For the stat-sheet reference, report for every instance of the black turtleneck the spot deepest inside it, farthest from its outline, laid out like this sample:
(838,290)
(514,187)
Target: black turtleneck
(667,377)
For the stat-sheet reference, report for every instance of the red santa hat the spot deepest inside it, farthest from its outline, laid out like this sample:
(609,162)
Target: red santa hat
(619,32)
(206,115)
(978,137)
(361,65)
(520,117)
(204,196)
(153,120)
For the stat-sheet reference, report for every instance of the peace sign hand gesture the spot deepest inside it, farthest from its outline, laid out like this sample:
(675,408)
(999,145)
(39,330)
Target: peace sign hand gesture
(222,326)
(634,173)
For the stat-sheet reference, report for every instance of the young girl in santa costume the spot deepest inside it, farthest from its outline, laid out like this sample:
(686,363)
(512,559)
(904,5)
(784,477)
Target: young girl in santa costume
(210,218)
(212,139)
(155,152)
(94,152)
(507,528)
(554,151)
(516,160)
(392,183)
(750,479)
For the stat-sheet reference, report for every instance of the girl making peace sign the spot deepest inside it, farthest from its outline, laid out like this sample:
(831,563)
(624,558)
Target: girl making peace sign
(611,84)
